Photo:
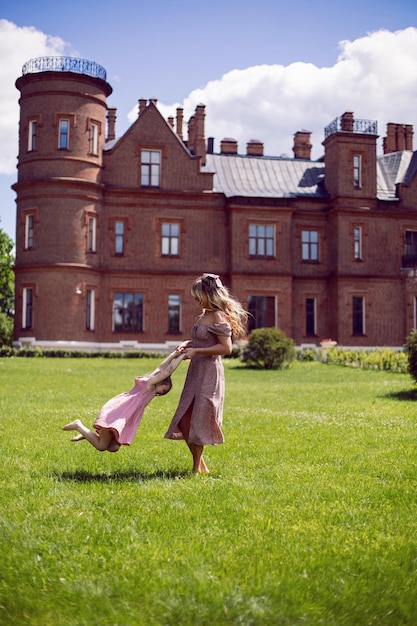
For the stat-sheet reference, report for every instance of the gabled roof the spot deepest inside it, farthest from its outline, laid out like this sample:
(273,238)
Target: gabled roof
(394,168)
(265,177)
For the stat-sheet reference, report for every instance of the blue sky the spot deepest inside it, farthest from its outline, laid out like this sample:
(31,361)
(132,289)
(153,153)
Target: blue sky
(264,69)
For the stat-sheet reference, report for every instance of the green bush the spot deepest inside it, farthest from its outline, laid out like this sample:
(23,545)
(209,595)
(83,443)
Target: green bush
(6,329)
(268,348)
(411,347)
(378,359)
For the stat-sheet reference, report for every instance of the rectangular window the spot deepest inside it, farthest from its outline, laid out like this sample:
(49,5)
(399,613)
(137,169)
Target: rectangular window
(170,239)
(358,315)
(410,259)
(357,242)
(261,240)
(119,239)
(63,139)
(89,311)
(150,168)
(128,312)
(27,309)
(92,234)
(94,138)
(262,312)
(311,308)
(357,171)
(174,313)
(310,245)
(29,231)
(33,129)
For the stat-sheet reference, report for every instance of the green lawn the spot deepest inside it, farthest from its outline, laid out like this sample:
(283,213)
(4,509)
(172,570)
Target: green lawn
(309,515)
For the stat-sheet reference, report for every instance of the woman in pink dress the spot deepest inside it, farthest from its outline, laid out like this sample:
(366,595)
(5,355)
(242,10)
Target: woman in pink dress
(118,420)
(199,415)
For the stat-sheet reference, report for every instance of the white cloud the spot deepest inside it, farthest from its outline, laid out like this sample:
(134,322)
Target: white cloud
(18,45)
(374,77)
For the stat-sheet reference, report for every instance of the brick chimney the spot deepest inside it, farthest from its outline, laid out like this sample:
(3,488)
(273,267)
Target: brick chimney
(142,105)
(111,123)
(347,122)
(254,147)
(180,116)
(399,137)
(196,133)
(228,146)
(302,145)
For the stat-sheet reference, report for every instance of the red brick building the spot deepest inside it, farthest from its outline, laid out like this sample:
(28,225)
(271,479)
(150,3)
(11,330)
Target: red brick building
(112,231)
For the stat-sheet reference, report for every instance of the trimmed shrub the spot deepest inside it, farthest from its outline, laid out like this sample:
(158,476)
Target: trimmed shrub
(268,348)
(411,347)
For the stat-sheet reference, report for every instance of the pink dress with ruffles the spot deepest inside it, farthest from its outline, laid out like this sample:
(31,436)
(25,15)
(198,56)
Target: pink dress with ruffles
(123,413)
(203,390)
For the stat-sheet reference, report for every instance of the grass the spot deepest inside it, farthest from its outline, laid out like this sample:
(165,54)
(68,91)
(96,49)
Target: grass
(309,515)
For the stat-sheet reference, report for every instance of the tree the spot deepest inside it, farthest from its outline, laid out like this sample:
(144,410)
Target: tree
(6,288)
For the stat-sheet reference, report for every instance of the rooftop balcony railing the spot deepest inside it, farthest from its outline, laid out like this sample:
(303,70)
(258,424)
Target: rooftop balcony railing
(341,124)
(64,64)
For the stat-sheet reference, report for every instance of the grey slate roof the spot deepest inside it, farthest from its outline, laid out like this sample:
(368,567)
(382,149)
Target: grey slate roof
(265,177)
(392,168)
(278,177)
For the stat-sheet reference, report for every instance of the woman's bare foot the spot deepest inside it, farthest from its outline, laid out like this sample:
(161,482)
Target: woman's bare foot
(72,425)
(78,438)
(202,468)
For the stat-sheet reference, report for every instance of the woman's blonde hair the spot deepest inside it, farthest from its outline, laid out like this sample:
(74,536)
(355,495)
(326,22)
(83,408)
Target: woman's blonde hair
(219,299)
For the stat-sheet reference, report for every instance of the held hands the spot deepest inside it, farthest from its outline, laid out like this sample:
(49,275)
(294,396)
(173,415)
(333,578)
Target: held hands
(183,346)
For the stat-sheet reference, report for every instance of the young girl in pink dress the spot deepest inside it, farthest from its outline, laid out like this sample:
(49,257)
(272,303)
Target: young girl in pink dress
(199,415)
(118,420)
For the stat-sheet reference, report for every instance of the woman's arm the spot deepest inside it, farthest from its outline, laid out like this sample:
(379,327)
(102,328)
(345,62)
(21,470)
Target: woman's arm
(223,346)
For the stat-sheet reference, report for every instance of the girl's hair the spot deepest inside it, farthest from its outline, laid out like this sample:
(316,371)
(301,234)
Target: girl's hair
(164,386)
(219,299)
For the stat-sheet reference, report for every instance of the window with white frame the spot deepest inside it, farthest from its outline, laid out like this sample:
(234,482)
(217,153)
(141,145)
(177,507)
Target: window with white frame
(261,240)
(119,237)
(92,234)
(170,239)
(27,307)
(29,230)
(90,309)
(311,317)
(174,304)
(357,171)
(357,243)
(150,168)
(310,245)
(358,315)
(63,134)
(415,313)
(94,128)
(33,130)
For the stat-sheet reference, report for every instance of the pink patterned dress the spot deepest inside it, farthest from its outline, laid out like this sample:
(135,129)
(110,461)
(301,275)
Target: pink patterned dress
(203,390)
(123,413)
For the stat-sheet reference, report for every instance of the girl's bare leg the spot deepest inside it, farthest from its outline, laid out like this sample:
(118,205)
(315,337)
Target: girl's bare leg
(101,442)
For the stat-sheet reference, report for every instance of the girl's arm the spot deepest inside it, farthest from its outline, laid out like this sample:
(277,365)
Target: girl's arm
(178,350)
(160,374)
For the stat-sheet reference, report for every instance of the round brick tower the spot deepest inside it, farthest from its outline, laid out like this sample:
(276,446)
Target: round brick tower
(59,198)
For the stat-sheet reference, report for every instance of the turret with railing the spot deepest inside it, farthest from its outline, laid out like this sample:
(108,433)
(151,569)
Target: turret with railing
(347,124)
(64,64)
